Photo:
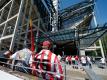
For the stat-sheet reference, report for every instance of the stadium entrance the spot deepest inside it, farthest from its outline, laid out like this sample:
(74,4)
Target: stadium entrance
(66,49)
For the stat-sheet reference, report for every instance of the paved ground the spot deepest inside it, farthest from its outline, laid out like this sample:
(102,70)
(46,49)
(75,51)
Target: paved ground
(71,74)
(79,74)
(75,74)
(101,72)
(7,76)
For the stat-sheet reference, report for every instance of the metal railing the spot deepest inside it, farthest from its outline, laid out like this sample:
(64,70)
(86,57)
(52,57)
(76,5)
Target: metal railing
(91,74)
(25,69)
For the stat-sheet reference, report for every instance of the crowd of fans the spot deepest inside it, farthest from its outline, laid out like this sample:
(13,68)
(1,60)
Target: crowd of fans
(44,64)
(80,61)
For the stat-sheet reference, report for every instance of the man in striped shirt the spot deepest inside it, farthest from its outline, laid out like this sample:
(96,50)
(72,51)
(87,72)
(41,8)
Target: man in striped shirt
(47,64)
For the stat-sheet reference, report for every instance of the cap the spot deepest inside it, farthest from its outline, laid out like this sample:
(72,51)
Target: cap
(46,43)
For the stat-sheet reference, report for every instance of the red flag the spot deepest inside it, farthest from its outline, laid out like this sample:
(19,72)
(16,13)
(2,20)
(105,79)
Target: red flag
(32,48)
(32,37)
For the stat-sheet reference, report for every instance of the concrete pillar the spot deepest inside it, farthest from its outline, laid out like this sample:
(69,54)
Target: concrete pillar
(82,52)
(95,50)
(102,51)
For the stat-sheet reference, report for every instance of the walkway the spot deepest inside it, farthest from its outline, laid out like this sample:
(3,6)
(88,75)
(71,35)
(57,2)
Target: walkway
(79,74)
(71,74)
(7,76)
(101,72)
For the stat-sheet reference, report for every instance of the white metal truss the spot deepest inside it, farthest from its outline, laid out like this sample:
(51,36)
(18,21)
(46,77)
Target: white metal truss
(14,24)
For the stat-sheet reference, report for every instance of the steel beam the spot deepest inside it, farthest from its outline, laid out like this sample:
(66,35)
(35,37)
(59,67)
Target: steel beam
(9,19)
(6,37)
(17,24)
(5,5)
(23,22)
(4,30)
(102,51)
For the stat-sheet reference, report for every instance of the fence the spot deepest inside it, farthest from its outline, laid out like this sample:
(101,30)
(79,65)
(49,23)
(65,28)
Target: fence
(91,75)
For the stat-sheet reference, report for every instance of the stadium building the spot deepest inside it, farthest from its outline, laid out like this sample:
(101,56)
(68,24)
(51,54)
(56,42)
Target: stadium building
(71,30)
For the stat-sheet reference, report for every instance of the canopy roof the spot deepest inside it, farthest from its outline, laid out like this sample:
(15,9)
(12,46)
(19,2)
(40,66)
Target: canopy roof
(86,37)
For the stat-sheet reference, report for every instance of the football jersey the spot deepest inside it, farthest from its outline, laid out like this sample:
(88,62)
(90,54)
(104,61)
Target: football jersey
(47,65)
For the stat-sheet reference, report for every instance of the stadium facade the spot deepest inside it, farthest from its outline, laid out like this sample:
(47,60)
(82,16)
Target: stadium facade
(70,29)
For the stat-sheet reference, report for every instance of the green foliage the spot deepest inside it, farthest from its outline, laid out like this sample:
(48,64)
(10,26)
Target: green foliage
(97,43)
(90,53)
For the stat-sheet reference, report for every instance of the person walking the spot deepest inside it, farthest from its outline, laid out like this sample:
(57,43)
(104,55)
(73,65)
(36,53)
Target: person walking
(83,60)
(89,62)
(47,64)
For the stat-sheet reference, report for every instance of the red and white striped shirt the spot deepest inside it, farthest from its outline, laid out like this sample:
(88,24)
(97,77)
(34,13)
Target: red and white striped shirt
(51,65)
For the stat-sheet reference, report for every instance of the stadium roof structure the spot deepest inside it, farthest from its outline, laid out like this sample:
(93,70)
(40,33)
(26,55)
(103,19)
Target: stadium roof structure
(66,37)
(75,25)
(15,17)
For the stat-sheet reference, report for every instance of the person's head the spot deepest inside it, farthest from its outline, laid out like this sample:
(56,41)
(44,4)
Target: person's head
(46,45)
(8,53)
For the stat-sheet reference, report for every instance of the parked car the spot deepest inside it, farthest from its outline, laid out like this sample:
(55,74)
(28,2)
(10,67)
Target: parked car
(99,62)
(97,59)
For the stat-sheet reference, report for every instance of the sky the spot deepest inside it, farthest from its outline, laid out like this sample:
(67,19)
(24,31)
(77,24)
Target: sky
(100,8)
